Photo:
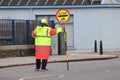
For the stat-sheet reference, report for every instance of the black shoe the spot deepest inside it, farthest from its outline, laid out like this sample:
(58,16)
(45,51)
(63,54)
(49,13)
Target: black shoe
(36,69)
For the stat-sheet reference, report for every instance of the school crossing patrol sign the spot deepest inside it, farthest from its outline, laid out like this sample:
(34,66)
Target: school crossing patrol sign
(63,15)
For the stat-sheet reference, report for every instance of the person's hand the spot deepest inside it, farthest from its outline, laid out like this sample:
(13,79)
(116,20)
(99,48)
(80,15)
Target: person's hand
(63,26)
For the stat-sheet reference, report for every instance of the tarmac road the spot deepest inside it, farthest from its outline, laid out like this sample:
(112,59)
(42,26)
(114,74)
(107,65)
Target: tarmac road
(80,70)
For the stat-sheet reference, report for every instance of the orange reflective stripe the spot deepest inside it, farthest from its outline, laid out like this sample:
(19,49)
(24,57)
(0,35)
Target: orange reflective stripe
(42,47)
(43,51)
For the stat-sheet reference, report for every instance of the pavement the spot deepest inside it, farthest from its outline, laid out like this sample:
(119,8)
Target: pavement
(30,60)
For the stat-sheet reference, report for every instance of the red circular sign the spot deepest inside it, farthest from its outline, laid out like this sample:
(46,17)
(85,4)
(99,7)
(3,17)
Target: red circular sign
(63,15)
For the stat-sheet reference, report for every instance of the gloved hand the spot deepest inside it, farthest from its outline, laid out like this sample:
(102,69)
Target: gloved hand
(63,26)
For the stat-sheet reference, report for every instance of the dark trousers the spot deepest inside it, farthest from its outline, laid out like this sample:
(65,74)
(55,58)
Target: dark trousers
(38,64)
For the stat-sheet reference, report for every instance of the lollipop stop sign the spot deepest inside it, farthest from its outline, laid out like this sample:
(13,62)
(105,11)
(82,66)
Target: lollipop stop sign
(63,15)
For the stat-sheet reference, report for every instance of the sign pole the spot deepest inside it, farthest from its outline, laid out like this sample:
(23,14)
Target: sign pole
(62,16)
(65,39)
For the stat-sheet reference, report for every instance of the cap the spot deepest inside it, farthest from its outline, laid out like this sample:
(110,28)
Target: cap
(44,21)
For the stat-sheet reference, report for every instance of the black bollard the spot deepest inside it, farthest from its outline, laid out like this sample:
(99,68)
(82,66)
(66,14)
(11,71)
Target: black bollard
(101,48)
(95,46)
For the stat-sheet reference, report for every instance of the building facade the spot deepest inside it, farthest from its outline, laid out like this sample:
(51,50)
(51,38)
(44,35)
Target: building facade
(87,24)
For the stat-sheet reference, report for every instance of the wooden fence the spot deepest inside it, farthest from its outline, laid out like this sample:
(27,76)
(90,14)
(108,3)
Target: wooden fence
(15,32)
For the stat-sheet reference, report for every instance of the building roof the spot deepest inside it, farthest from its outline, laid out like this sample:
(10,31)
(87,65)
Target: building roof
(11,4)
(55,2)
(47,2)
(111,2)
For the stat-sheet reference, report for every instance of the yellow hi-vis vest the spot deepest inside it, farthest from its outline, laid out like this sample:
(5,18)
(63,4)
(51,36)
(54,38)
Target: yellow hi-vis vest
(42,37)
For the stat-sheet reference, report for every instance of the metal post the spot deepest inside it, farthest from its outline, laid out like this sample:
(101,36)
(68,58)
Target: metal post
(101,48)
(13,31)
(95,46)
(65,39)
(27,31)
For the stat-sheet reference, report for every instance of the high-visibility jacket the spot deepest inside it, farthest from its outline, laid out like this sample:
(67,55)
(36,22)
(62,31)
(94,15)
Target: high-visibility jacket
(42,37)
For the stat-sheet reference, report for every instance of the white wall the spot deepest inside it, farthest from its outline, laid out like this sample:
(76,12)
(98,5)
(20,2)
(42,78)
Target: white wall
(89,24)
(14,14)
(97,24)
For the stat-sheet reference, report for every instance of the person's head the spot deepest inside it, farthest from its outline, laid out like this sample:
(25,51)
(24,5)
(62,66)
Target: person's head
(44,21)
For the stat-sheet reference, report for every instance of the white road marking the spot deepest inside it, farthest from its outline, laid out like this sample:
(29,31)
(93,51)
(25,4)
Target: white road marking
(60,76)
(43,76)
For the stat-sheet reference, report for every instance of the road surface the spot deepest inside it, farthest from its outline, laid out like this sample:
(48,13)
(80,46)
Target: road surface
(81,70)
